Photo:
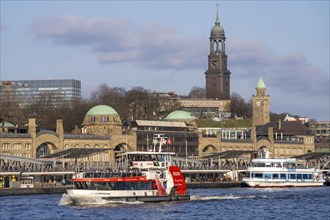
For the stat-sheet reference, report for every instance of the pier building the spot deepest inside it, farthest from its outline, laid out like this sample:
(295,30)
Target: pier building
(102,127)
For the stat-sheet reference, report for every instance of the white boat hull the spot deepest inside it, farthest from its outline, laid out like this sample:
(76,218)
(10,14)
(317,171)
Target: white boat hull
(271,183)
(101,196)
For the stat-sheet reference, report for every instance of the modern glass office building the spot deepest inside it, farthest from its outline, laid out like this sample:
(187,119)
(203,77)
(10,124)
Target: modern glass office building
(27,91)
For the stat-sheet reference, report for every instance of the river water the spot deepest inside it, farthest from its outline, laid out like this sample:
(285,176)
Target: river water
(234,203)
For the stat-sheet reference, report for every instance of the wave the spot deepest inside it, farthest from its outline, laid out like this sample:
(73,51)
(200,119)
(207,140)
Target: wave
(230,196)
(91,201)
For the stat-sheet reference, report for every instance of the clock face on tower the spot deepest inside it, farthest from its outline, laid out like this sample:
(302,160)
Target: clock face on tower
(214,62)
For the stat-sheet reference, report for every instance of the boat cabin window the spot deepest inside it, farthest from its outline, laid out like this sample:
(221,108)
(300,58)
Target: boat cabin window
(268,165)
(275,176)
(293,176)
(258,175)
(307,176)
(143,157)
(268,175)
(282,176)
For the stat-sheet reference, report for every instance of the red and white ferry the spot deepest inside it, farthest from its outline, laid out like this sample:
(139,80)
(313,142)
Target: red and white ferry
(148,177)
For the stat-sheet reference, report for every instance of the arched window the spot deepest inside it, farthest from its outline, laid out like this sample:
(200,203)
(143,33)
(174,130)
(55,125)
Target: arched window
(42,150)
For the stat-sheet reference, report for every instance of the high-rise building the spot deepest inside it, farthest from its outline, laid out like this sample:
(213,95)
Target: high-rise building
(217,75)
(24,92)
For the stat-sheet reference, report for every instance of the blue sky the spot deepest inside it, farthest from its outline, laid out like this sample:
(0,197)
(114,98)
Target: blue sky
(163,46)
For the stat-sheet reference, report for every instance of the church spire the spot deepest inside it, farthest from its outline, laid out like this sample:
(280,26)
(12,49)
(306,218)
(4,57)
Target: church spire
(217,20)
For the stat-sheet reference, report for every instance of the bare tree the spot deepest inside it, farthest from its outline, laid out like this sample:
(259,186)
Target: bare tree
(197,93)
(238,106)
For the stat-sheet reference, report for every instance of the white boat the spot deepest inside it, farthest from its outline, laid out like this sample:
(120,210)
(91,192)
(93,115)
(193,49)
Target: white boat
(148,177)
(270,172)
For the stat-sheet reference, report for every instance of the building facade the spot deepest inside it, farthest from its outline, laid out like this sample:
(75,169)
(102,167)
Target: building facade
(321,130)
(217,75)
(206,108)
(24,92)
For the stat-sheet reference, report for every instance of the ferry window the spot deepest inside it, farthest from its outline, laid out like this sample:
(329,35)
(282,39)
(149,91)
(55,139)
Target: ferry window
(127,185)
(282,176)
(121,186)
(83,185)
(149,186)
(144,185)
(106,175)
(275,176)
(299,176)
(305,176)
(77,185)
(112,186)
(133,185)
(258,175)
(268,175)
(138,186)
(293,176)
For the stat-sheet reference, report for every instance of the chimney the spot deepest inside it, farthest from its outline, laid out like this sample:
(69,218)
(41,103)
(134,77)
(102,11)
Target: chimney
(279,124)
(59,128)
(32,127)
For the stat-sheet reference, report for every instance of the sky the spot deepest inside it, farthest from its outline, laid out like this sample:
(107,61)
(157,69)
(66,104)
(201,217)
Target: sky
(163,46)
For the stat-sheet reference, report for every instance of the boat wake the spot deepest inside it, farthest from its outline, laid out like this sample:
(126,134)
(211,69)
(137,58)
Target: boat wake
(91,201)
(224,197)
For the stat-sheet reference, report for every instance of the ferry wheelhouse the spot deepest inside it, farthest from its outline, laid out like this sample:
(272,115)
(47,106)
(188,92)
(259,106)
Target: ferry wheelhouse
(149,176)
(270,172)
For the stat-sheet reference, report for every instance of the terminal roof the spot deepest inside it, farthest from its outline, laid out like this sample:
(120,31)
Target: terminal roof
(229,154)
(25,160)
(313,155)
(77,152)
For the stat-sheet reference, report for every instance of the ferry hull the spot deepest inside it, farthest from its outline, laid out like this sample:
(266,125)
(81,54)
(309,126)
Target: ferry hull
(83,197)
(260,184)
(150,198)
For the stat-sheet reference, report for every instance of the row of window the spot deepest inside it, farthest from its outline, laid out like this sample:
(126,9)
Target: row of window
(115,185)
(6,146)
(102,119)
(286,176)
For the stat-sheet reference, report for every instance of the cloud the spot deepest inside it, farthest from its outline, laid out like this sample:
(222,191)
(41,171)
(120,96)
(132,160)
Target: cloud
(153,46)
(115,41)
(292,73)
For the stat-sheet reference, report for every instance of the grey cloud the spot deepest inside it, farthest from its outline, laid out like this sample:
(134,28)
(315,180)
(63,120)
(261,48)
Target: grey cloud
(150,46)
(158,47)
(292,73)
(97,33)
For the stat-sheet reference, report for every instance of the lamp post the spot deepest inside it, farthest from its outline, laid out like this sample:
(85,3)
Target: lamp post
(185,134)
(186,151)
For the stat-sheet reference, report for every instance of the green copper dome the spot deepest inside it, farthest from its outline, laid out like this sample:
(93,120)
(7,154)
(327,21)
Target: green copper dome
(179,115)
(261,84)
(217,32)
(102,110)
(6,124)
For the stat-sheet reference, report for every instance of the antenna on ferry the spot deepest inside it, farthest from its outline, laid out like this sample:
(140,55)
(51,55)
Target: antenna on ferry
(158,139)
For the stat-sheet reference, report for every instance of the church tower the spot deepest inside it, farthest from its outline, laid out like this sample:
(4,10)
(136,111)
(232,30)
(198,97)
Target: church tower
(260,105)
(217,75)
